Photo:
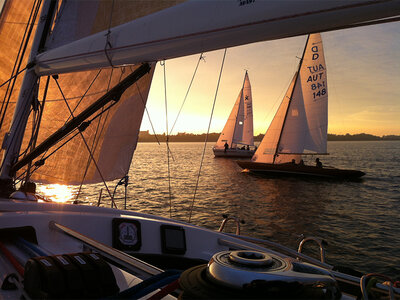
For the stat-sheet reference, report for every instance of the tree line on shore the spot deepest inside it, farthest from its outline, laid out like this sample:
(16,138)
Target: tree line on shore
(145,136)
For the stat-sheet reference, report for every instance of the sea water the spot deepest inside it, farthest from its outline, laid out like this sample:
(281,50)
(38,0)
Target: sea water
(358,219)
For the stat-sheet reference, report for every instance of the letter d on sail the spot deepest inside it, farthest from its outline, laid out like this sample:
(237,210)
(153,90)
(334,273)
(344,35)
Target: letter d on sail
(315,55)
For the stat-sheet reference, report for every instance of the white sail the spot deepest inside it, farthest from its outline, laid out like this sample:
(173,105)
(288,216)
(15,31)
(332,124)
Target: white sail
(239,122)
(301,122)
(306,124)
(248,133)
(238,129)
(266,151)
(227,133)
(197,26)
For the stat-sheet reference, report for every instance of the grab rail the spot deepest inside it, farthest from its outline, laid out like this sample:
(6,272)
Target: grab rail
(236,220)
(320,242)
(363,285)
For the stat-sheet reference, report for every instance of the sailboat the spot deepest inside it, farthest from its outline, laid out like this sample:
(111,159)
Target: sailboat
(82,70)
(300,125)
(237,136)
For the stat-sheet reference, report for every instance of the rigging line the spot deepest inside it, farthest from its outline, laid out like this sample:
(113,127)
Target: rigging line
(12,77)
(36,133)
(187,92)
(18,126)
(147,112)
(167,140)
(44,157)
(105,110)
(108,43)
(37,166)
(86,92)
(20,55)
(95,140)
(206,140)
(87,146)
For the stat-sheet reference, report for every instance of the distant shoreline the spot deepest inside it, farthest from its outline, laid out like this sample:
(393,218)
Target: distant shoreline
(146,137)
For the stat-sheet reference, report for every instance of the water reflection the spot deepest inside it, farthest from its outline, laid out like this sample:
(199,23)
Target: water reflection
(57,192)
(358,219)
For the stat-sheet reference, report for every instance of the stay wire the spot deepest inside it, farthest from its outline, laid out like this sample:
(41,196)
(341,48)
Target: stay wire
(108,43)
(21,52)
(167,138)
(97,128)
(206,140)
(36,133)
(147,112)
(45,157)
(187,92)
(87,146)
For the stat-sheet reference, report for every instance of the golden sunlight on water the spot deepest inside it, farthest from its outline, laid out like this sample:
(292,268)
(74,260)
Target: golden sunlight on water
(57,192)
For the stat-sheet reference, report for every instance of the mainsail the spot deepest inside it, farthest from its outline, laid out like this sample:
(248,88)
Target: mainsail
(238,129)
(200,26)
(112,137)
(301,122)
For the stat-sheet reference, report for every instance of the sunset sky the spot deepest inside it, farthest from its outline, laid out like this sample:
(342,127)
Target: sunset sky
(363,66)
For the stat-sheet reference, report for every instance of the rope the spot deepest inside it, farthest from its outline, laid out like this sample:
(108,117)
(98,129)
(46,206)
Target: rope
(23,46)
(167,138)
(108,43)
(187,92)
(21,52)
(147,112)
(44,157)
(11,78)
(97,128)
(87,146)
(36,133)
(205,142)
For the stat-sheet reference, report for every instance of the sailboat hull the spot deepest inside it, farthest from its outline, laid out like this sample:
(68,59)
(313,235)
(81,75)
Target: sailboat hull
(233,153)
(298,170)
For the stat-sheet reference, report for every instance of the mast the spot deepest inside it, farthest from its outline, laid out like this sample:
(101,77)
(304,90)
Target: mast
(290,99)
(15,135)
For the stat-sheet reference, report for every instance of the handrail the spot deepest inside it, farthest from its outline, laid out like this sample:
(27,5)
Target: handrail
(318,241)
(226,219)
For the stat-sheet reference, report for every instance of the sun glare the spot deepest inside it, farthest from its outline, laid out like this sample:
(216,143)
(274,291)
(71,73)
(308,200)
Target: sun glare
(57,192)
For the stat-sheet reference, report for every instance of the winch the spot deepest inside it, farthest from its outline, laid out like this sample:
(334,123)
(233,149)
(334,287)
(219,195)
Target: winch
(255,274)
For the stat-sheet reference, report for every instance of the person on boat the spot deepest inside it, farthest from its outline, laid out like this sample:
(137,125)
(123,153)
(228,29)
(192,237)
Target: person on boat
(248,148)
(226,146)
(243,148)
(301,163)
(318,163)
(293,161)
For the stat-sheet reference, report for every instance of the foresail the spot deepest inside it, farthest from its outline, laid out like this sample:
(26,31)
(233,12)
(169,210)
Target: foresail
(112,137)
(267,149)
(306,124)
(248,133)
(227,134)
